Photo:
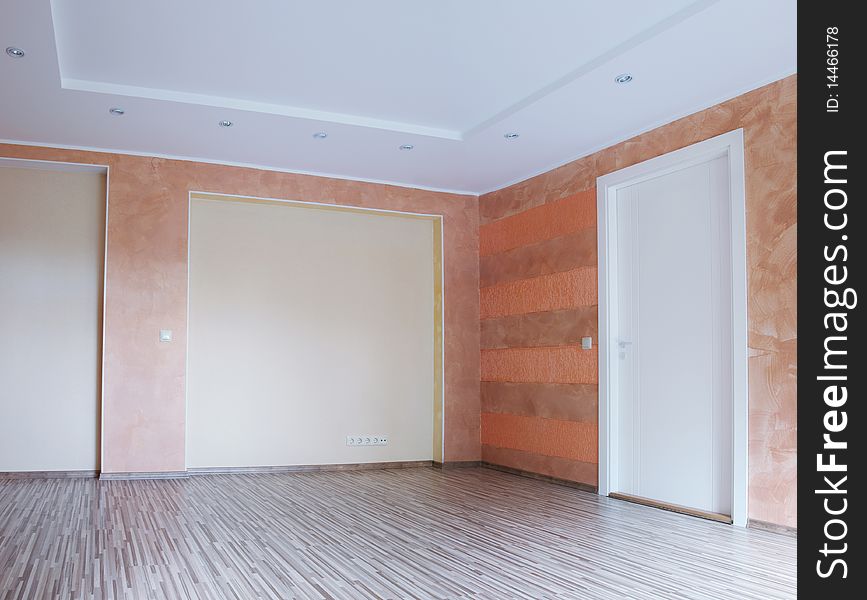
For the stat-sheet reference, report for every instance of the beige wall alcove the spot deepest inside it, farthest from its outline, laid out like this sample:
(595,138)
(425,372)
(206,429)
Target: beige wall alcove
(52,241)
(307,324)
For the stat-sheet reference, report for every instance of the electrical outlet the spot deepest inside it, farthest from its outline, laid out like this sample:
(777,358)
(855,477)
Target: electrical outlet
(366,440)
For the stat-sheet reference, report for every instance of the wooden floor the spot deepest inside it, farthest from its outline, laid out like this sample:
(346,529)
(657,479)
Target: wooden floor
(409,533)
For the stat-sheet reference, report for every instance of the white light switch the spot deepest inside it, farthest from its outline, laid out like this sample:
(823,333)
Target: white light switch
(586,343)
(165,335)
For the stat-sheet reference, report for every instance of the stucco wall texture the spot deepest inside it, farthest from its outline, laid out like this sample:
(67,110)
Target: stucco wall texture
(537,246)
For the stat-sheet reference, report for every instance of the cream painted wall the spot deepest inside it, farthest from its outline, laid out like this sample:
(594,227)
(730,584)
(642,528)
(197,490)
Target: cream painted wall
(307,325)
(52,228)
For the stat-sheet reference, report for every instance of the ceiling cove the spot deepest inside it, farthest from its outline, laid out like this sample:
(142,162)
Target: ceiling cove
(72,24)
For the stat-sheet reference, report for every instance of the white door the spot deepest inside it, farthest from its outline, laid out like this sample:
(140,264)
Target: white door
(674,404)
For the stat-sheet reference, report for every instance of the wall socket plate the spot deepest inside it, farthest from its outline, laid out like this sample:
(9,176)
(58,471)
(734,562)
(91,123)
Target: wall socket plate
(366,440)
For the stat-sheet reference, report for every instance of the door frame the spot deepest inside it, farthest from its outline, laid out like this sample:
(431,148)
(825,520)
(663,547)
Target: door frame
(730,145)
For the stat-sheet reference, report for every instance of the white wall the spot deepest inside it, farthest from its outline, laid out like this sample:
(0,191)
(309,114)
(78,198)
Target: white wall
(51,255)
(307,325)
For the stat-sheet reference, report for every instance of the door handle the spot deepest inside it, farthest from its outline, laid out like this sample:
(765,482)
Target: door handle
(623,344)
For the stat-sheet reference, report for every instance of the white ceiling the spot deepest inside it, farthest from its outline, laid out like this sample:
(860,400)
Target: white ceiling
(450,77)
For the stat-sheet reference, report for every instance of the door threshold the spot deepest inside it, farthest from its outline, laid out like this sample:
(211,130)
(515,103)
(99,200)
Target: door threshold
(685,510)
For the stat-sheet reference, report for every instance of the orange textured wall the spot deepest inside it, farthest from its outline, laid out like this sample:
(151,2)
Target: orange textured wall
(538,258)
(574,440)
(576,287)
(146,290)
(558,364)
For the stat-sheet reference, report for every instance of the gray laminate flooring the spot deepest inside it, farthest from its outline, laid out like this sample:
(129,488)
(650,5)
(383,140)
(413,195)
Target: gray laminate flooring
(402,533)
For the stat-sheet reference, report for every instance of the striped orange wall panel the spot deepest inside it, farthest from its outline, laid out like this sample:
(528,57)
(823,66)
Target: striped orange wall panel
(538,299)
(567,289)
(567,364)
(548,437)
(544,222)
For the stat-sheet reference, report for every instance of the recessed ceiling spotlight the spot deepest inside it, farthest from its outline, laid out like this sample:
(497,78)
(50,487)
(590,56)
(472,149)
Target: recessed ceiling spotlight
(623,78)
(225,123)
(511,135)
(320,135)
(15,52)
(117,111)
(406,147)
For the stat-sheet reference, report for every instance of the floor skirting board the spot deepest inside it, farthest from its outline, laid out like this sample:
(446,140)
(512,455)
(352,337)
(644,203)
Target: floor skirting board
(48,474)
(586,487)
(457,464)
(143,475)
(405,464)
(772,527)
(122,476)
